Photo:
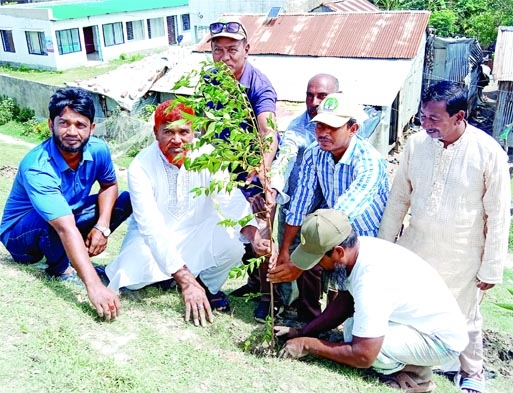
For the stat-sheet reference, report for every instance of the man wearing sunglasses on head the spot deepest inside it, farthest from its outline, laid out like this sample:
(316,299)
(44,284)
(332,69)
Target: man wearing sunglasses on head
(229,42)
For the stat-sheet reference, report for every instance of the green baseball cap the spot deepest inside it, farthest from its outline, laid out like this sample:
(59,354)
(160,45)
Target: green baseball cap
(321,231)
(336,110)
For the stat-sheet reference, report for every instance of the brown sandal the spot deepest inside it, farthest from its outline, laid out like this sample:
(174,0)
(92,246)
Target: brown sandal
(404,381)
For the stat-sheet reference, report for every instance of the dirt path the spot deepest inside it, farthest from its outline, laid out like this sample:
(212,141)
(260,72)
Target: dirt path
(14,141)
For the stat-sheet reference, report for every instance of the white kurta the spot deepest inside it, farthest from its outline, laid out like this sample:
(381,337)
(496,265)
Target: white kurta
(459,200)
(170,227)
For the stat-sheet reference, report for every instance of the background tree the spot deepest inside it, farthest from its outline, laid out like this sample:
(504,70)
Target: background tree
(470,18)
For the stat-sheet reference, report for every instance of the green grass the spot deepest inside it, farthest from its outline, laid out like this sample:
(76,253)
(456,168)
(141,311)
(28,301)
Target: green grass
(498,318)
(15,130)
(58,78)
(53,341)
(510,245)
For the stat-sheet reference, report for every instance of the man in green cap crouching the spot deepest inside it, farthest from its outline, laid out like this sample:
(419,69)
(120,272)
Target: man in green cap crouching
(403,320)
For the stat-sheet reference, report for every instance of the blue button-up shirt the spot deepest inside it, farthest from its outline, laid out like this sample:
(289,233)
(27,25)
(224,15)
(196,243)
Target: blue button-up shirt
(47,184)
(286,167)
(356,185)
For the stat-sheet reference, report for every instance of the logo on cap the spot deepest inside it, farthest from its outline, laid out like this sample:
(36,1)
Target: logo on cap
(303,240)
(330,104)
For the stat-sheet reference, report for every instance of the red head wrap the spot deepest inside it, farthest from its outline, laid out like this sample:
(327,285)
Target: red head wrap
(164,115)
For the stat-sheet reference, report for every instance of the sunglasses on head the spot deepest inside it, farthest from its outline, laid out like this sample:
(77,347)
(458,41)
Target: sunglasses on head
(230,27)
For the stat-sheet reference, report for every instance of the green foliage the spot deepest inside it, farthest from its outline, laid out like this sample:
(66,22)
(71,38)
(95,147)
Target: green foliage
(7,106)
(147,112)
(444,22)
(221,108)
(510,245)
(243,270)
(399,4)
(220,104)
(484,26)
(507,306)
(38,128)
(130,58)
(23,69)
(10,111)
(136,147)
(471,18)
(25,115)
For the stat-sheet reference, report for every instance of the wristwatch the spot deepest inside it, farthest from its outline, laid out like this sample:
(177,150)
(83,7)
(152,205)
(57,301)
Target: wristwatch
(104,230)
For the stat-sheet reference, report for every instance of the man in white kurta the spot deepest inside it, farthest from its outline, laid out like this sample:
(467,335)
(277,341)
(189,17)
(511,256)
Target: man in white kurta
(173,233)
(455,182)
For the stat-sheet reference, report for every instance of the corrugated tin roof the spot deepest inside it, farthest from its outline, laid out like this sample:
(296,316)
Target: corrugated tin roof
(503,58)
(129,82)
(350,6)
(367,81)
(378,35)
(81,9)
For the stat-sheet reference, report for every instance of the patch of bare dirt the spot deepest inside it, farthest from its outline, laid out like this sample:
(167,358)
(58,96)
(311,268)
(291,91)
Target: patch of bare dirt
(498,350)
(8,171)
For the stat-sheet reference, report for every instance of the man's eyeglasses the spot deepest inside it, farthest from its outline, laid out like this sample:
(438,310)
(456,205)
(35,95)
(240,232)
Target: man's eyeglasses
(230,27)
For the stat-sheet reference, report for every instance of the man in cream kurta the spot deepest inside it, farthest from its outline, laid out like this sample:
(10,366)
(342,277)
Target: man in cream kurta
(454,179)
(172,233)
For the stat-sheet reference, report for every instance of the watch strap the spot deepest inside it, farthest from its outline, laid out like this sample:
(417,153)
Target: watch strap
(104,230)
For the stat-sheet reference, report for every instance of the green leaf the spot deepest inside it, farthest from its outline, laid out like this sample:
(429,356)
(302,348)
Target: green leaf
(506,306)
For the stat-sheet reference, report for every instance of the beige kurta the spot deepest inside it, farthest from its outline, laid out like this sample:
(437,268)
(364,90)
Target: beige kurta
(459,200)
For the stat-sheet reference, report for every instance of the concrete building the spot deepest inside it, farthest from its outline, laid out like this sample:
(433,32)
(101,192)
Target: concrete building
(346,6)
(204,12)
(67,34)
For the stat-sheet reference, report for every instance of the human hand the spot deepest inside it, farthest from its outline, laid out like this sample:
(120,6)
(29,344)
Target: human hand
(285,332)
(197,305)
(293,349)
(262,246)
(105,300)
(274,256)
(283,272)
(270,196)
(95,242)
(484,286)
(258,205)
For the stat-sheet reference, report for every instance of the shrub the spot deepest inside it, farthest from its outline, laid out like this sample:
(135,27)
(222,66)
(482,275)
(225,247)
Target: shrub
(9,110)
(147,112)
(39,129)
(24,115)
(7,106)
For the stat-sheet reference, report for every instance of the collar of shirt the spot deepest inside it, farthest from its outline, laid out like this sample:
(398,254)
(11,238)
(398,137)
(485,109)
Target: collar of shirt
(56,155)
(346,157)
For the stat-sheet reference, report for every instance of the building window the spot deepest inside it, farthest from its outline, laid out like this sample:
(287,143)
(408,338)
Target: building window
(156,27)
(113,34)
(186,22)
(68,41)
(7,41)
(36,43)
(135,30)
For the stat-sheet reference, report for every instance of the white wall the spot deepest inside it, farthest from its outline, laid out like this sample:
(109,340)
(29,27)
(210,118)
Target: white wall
(19,24)
(409,98)
(204,12)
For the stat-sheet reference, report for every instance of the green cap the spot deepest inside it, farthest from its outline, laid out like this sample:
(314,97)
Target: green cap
(336,110)
(321,231)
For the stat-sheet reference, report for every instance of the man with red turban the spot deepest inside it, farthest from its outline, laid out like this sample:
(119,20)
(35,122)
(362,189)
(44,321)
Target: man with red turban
(174,234)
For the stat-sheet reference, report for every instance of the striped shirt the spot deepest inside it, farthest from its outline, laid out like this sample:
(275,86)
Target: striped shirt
(356,185)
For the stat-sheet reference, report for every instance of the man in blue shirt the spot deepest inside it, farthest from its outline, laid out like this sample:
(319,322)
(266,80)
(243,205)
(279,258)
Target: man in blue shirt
(285,170)
(340,171)
(50,211)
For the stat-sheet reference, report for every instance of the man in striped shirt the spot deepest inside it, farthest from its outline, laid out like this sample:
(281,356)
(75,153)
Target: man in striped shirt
(339,171)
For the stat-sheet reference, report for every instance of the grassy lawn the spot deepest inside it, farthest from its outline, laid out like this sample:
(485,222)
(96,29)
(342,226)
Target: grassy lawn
(53,342)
